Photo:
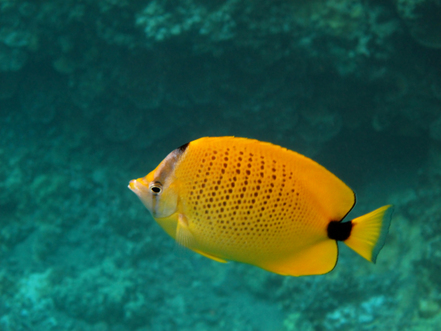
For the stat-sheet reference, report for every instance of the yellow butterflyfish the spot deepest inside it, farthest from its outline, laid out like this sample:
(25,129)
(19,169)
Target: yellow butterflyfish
(238,199)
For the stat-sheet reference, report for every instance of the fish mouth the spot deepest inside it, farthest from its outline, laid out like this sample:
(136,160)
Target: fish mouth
(137,186)
(132,185)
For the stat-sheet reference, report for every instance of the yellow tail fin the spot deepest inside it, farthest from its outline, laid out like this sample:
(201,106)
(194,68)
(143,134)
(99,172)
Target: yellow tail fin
(369,232)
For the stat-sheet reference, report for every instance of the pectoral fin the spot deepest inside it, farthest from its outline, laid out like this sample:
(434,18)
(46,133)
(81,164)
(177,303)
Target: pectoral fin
(183,235)
(185,238)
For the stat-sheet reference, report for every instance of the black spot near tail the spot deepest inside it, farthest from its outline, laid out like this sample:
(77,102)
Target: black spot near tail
(339,230)
(183,147)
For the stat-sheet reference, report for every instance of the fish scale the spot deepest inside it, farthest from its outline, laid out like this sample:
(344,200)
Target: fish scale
(243,198)
(238,199)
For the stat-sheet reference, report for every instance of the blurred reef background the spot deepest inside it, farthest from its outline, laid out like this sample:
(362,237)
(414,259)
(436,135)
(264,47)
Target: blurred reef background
(95,93)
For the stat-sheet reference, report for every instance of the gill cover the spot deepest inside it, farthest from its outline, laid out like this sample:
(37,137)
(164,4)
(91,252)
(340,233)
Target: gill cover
(158,190)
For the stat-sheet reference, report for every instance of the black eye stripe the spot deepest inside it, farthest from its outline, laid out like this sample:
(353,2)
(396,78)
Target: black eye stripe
(183,147)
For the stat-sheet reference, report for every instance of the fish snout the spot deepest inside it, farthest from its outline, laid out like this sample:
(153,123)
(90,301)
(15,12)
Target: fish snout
(141,187)
(138,186)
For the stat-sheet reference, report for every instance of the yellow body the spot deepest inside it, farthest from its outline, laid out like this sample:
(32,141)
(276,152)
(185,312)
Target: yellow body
(244,200)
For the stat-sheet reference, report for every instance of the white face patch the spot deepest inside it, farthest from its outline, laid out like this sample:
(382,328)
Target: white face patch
(139,187)
(159,195)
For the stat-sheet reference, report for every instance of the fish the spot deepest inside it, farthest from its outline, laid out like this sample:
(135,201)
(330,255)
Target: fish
(244,200)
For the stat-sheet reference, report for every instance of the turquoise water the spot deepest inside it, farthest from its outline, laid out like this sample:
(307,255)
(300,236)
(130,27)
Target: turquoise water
(96,93)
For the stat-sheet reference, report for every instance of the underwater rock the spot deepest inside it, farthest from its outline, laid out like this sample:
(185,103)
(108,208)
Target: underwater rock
(102,293)
(12,59)
(351,317)
(160,21)
(423,18)
(295,322)
(16,38)
(429,308)
(336,33)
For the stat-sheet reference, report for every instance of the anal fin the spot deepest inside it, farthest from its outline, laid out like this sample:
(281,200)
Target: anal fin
(317,259)
(211,256)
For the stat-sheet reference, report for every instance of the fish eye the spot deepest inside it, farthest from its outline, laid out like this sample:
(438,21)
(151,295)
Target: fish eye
(156,188)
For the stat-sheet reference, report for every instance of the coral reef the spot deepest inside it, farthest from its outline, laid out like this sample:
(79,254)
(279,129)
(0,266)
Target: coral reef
(94,93)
